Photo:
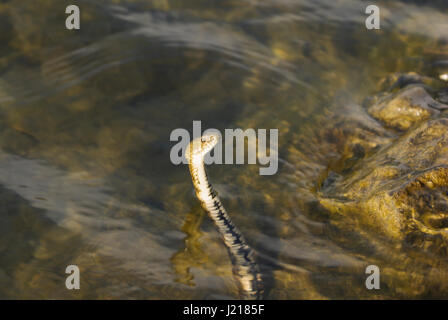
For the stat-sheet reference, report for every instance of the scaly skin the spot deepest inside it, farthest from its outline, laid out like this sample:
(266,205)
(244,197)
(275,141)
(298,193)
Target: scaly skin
(245,268)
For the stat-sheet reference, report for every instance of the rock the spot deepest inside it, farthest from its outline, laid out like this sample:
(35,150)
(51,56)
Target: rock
(405,108)
(397,81)
(401,189)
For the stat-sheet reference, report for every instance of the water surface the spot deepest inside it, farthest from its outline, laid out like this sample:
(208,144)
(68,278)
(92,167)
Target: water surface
(85,120)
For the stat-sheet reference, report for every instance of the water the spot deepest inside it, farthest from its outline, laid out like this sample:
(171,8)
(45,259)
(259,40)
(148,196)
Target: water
(85,120)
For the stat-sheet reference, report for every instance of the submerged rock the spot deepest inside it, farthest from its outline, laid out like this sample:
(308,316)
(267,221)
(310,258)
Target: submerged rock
(401,188)
(405,108)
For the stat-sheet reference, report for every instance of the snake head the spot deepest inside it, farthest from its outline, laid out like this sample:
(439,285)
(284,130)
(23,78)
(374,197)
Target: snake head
(199,147)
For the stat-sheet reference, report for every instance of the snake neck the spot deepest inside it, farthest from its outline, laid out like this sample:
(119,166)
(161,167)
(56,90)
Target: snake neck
(245,268)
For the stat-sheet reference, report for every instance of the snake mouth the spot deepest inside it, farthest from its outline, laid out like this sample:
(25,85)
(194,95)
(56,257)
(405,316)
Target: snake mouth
(210,138)
(207,139)
(199,147)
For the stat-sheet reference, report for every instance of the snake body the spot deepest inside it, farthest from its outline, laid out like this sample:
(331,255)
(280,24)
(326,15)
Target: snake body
(245,269)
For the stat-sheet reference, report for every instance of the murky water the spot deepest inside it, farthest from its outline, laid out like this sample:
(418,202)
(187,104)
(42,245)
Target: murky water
(85,121)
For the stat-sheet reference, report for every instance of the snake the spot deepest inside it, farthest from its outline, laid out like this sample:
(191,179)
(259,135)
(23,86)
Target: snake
(245,269)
